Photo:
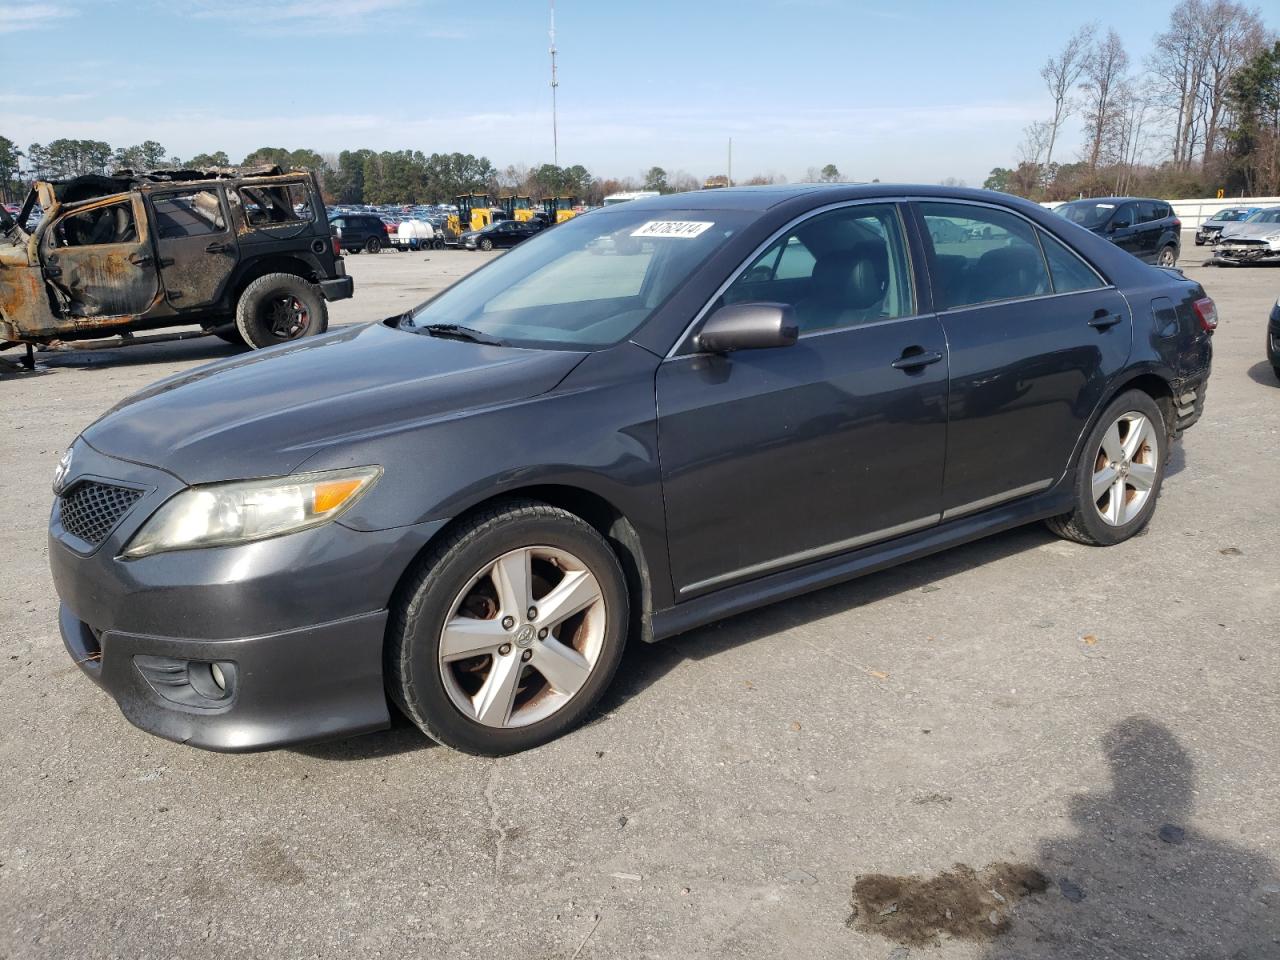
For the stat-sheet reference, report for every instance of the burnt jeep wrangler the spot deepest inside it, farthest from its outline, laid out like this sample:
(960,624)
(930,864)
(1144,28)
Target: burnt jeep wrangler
(245,254)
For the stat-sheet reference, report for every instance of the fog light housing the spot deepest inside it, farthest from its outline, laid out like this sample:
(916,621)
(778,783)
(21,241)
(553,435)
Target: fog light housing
(191,683)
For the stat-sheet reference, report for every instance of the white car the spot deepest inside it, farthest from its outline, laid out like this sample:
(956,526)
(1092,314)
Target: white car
(1251,241)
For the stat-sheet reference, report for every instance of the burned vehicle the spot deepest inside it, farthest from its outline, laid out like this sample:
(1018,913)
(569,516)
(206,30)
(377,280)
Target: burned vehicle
(245,254)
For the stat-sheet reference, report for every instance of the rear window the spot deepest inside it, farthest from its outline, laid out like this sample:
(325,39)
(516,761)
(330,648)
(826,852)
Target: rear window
(266,205)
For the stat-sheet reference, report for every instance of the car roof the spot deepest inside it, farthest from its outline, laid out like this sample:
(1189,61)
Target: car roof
(763,198)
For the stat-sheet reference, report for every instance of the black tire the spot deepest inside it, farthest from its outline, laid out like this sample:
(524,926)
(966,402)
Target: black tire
(413,674)
(373,245)
(1084,524)
(1167,253)
(486,244)
(280,307)
(1199,242)
(1275,368)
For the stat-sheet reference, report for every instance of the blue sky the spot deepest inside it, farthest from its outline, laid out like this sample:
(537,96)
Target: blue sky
(913,90)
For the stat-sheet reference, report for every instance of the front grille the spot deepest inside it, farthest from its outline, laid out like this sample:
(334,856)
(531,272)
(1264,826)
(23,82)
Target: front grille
(91,510)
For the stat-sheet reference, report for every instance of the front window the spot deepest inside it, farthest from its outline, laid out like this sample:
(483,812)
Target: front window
(1231,216)
(1266,216)
(839,269)
(1087,213)
(111,223)
(590,282)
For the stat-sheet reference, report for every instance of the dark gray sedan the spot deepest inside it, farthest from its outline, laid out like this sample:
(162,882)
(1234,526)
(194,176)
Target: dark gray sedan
(648,418)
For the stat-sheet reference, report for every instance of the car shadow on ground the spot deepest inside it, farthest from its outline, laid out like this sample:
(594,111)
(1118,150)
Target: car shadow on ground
(645,664)
(1263,373)
(1133,878)
(401,737)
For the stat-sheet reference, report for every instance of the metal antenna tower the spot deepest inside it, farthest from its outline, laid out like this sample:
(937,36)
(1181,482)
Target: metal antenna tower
(555,138)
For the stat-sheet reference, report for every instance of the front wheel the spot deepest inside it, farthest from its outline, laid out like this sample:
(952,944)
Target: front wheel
(1168,256)
(280,307)
(486,244)
(1119,475)
(509,631)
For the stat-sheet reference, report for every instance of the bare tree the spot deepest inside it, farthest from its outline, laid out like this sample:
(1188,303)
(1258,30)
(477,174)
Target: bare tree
(1234,34)
(1060,75)
(1104,76)
(1178,63)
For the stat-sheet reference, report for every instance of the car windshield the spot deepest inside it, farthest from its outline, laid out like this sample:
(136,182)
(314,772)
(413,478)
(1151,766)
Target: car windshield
(589,282)
(1230,216)
(1087,213)
(1266,216)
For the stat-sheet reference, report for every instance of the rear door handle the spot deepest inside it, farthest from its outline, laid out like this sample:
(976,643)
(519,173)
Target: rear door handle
(1102,319)
(913,358)
(217,247)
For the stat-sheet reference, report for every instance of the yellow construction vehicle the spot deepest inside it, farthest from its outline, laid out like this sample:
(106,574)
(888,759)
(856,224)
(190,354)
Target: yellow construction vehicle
(560,209)
(474,213)
(517,208)
(716,182)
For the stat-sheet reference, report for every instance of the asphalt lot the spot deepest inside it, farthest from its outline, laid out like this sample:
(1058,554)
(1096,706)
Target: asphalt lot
(1021,701)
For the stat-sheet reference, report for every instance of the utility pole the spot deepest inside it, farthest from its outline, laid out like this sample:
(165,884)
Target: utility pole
(729,176)
(555,137)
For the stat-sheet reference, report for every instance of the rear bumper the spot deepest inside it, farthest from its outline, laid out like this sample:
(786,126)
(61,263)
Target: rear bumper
(1188,401)
(337,288)
(298,685)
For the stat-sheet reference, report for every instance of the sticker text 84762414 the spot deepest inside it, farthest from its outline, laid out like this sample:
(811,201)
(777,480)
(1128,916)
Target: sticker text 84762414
(685,229)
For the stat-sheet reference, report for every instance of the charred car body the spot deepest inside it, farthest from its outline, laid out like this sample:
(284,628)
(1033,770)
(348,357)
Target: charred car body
(245,254)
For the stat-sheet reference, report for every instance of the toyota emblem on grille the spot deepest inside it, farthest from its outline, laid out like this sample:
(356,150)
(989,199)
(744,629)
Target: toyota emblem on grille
(61,472)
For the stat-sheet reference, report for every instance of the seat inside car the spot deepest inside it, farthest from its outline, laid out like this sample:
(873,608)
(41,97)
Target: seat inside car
(847,287)
(1006,273)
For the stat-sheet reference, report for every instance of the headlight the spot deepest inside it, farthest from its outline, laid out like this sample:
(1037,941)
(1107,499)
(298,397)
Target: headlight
(220,514)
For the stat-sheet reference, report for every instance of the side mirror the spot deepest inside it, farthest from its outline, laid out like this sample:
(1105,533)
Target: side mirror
(749,326)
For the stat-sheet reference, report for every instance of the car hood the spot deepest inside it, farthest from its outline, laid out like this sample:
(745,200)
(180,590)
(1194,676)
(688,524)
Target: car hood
(264,413)
(1252,231)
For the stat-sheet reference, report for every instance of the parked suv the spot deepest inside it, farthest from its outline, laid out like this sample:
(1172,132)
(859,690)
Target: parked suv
(243,253)
(360,231)
(1146,228)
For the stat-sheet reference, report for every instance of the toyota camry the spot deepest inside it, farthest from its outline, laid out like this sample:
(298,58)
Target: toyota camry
(648,418)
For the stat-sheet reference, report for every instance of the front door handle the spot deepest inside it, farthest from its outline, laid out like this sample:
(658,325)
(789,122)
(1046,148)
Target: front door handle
(139,259)
(1103,319)
(218,247)
(913,358)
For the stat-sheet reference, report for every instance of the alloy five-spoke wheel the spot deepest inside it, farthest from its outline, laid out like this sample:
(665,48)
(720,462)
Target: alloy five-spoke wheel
(1118,476)
(522,637)
(1124,469)
(1168,257)
(509,630)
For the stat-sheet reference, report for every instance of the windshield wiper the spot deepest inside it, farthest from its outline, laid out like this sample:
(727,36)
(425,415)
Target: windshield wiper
(456,331)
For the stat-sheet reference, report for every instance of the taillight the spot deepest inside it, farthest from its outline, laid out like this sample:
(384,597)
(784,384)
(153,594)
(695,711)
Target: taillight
(1207,311)
(337,244)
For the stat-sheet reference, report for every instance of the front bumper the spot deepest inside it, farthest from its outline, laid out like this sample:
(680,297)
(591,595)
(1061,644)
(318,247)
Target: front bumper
(298,685)
(296,622)
(1229,251)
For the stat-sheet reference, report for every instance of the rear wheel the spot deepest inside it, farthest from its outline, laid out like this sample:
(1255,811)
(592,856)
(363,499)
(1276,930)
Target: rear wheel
(373,245)
(1119,475)
(509,631)
(280,307)
(1168,256)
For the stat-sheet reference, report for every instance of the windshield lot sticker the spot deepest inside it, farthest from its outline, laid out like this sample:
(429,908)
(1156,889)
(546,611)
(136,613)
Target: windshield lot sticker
(687,229)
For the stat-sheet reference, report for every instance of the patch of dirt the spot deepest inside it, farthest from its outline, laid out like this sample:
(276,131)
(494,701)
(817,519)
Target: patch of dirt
(960,902)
